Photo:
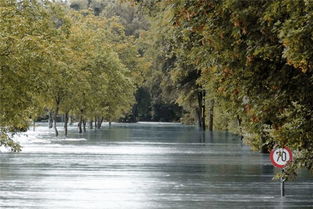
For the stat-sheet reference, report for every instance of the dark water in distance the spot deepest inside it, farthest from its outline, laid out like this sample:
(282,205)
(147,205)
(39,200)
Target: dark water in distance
(143,166)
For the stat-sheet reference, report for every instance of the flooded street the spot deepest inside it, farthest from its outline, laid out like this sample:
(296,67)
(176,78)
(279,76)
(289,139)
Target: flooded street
(143,166)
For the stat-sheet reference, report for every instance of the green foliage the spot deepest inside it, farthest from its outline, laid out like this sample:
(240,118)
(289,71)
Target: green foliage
(6,141)
(25,38)
(254,59)
(64,61)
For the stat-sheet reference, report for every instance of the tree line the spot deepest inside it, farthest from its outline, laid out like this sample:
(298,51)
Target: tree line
(245,66)
(57,60)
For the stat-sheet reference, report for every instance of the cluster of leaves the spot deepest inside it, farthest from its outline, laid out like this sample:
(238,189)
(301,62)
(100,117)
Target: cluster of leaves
(56,59)
(254,59)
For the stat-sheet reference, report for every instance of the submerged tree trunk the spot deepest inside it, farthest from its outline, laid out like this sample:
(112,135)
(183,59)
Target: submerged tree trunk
(34,125)
(100,122)
(80,130)
(199,117)
(201,109)
(55,118)
(84,125)
(239,127)
(90,124)
(66,118)
(96,119)
(96,122)
(70,120)
(263,147)
(211,115)
(50,120)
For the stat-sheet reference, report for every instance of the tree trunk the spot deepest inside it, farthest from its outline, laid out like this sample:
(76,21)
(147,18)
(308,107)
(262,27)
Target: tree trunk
(70,118)
(55,119)
(110,124)
(198,112)
(84,125)
(50,120)
(96,122)
(100,122)
(66,118)
(80,130)
(263,147)
(239,127)
(211,115)
(34,125)
(96,119)
(201,109)
(90,124)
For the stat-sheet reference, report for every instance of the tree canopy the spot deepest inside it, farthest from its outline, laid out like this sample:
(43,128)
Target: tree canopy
(64,61)
(252,58)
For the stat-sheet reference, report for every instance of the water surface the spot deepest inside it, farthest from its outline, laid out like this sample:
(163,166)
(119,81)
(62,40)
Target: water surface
(143,166)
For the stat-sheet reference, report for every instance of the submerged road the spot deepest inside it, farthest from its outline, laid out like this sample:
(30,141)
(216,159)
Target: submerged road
(143,166)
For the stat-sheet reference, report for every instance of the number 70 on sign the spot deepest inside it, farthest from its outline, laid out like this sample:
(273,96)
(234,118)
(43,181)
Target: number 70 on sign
(280,157)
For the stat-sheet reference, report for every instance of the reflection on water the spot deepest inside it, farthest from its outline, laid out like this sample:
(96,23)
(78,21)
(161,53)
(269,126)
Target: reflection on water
(143,166)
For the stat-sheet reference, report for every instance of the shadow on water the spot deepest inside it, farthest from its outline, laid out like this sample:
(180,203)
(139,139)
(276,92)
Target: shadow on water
(218,137)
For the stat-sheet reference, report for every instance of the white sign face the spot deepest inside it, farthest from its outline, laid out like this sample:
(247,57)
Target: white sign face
(280,157)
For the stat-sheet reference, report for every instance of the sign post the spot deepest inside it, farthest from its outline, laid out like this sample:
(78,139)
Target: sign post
(280,157)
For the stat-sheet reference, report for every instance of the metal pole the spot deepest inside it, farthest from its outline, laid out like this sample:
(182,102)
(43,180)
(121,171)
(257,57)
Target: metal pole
(282,185)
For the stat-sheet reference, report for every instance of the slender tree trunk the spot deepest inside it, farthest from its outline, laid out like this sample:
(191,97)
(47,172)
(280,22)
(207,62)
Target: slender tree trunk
(50,120)
(101,121)
(263,147)
(34,125)
(66,118)
(211,115)
(198,112)
(84,125)
(110,123)
(96,124)
(90,124)
(239,127)
(70,118)
(201,109)
(55,119)
(80,130)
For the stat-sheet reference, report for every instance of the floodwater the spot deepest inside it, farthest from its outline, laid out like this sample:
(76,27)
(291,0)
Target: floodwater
(143,166)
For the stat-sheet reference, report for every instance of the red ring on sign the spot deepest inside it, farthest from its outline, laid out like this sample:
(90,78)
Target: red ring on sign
(273,161)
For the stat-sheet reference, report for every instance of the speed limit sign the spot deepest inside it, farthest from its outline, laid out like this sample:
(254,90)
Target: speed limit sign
(281,156)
